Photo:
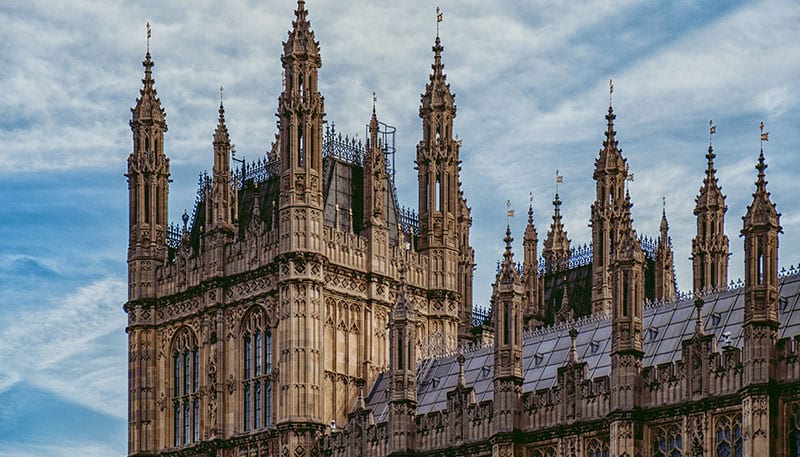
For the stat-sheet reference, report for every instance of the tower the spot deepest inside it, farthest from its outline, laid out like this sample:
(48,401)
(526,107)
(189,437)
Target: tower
(300,260)
(556,245)
(403,372)
(508,302)
(710,249)
(760,327)
(531,268)
(441,205)
(148,185)
(610,173)
(665,268)
(626,336)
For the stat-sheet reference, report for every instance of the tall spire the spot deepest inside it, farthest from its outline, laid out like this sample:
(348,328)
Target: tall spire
(221,133)
(610,173)
(710,247)
(665,267)
(531,269)
(148,108)
(556,245)
(437,95)
(221,210)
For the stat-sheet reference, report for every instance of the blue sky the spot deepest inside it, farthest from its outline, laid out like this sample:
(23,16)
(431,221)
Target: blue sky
(531,80)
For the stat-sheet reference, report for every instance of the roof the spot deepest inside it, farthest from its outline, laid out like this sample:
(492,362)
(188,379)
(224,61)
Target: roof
(544,350)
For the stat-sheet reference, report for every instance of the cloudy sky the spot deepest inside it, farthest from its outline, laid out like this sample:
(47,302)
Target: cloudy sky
(531,80)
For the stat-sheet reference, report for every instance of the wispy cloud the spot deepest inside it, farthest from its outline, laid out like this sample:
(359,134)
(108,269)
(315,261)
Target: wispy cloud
(61,348)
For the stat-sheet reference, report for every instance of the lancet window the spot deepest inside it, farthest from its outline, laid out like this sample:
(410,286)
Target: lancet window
(668,441)
(256,372)
(597,448)
(729,436)
(185,388)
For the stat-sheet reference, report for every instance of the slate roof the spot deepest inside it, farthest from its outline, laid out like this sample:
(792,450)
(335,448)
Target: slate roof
(544,350)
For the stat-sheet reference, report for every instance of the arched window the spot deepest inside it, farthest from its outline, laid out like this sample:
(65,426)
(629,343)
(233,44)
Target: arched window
(185,388)
(545,452)
(597,448)
(729,436)
(257,372)
(668,441)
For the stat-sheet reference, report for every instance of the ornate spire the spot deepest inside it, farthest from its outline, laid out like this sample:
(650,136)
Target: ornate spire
(665,267)
(610,159)
(629,244)
(710,196)
(301,42)
(221,133)
(762,212)
(565,311)
(148,107)
(437,95)
(556,245)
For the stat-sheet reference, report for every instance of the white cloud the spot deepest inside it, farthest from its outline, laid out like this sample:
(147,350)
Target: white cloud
(60,348)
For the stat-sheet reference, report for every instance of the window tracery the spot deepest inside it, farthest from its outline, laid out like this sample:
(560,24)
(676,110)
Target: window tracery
(729,436)
(257,372)
(597,448)
(668,441)
(185,388)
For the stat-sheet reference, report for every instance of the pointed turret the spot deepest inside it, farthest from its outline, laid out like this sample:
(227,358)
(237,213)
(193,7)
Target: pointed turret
(710,247)
(556,245)
(300,250)
(626,332)
(148,186)
(148,183)
(507,310)
(221,212)
(444,217)
(665,267)
(375,177)
(760,229)
(403,371)
(531,269)
(610,173)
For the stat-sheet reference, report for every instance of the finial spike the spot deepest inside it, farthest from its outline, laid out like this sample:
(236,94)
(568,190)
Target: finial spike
(221,94)
(712,129)
(374,101)
(764,135)
(149,34)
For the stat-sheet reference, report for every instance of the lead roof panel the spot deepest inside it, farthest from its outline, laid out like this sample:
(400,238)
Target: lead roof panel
(545,350)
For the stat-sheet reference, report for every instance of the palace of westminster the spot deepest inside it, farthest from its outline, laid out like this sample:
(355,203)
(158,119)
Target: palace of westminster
(299,311)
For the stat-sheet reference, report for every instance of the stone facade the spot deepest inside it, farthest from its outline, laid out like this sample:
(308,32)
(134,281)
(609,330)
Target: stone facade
(301,312)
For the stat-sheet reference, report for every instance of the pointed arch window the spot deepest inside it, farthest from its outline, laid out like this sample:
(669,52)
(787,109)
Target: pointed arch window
(185,388)
(597,448)
(256,372)
(729,436)
(668,441)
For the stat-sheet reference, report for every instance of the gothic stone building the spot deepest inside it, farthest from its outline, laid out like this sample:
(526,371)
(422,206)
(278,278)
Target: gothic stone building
(301,312)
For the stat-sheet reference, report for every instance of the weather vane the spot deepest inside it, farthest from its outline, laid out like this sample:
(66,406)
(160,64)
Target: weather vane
(559,180)
(439,18)
(374,101)
(764,135)
(509,212)
(712,129)
(610,90)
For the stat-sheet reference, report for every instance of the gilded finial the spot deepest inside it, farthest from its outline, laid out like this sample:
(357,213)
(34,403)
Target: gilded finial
(149,34)
(610,91)
(764,135)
